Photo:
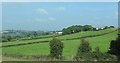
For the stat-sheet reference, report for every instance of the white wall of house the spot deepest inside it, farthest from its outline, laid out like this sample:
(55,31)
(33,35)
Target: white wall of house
(100,28)
(59,32)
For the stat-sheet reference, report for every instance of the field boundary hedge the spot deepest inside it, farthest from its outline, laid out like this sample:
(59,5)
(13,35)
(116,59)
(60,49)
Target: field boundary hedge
(34,57)
(48,58)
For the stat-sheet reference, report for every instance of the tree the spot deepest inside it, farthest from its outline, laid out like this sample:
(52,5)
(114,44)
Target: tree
(106,27)
(72,29)
(76,28)
(9,38)
(87,28)
(115,47)
(111,27)
(35,34)
(84,50)
(4,38)
(56,48)
(84,46)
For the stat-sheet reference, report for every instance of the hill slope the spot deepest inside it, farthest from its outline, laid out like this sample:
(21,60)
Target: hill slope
(70,46)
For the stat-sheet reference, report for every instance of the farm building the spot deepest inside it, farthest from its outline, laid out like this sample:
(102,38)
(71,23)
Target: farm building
(100,28)
(59,32)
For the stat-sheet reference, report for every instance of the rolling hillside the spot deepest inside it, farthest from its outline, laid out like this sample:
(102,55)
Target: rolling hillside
(70,46)
(64,37)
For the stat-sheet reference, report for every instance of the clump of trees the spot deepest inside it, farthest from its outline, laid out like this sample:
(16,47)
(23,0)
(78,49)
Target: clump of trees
(72,29)
(76,28)
(6,38)
(97,55)
(106,27)
(79,28)
(56,48)
(87,28)
(85,53)
(115,47)
(13,35)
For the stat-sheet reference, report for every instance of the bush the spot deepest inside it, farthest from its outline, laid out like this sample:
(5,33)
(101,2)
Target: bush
(56,48)
(97,55)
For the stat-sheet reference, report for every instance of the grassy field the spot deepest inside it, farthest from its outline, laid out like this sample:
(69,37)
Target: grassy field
(86,33)
(75,35)
(25,41)
(70,46)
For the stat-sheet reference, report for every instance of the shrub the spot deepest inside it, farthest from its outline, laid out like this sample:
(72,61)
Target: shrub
(97,55)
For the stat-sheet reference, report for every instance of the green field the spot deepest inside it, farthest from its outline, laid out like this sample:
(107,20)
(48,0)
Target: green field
(75,35)
(70,46)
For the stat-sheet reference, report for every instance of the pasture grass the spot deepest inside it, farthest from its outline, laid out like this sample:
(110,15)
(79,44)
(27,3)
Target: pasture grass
(70,46)
(75,35)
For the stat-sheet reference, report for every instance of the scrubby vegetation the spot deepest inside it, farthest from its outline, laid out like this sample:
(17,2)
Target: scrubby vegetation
(85,53)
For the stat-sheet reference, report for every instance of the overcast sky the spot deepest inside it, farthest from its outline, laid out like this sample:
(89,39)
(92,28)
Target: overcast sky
(55,16)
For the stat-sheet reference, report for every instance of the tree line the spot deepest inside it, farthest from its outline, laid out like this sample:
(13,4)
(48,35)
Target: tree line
(13,35)
(78,28)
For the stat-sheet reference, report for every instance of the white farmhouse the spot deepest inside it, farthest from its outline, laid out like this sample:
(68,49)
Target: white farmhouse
(58,32)
(100,28)
(97,28)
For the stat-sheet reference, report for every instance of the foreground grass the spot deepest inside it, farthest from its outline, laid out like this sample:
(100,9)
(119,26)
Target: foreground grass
(70,46)
(11,59)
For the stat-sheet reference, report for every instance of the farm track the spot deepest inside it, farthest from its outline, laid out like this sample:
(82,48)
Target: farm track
(61,39)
